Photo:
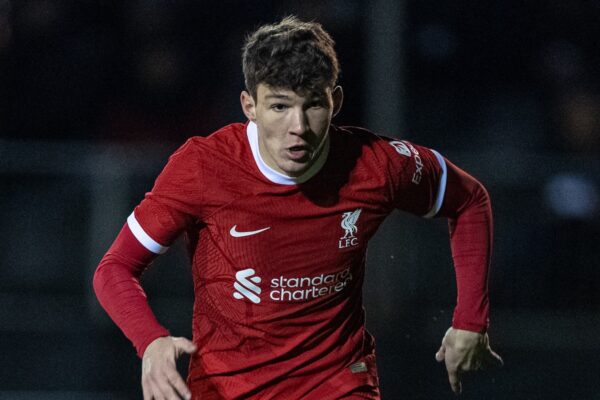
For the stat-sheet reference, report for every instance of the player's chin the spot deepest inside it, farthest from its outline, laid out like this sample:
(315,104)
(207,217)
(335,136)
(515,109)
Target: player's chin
(296,168)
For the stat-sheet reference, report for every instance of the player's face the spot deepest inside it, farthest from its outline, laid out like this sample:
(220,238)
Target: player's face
(292,127)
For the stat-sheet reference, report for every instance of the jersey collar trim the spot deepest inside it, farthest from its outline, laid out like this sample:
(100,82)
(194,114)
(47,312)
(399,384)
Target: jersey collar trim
(276,176)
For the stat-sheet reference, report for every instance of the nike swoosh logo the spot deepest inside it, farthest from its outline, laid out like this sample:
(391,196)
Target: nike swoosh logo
(233,232)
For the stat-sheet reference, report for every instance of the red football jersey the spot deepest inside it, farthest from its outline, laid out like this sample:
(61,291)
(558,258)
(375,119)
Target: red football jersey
(278,262)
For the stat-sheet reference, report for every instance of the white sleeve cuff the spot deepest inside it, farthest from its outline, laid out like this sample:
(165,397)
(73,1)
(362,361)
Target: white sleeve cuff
(143,237)
(441,189)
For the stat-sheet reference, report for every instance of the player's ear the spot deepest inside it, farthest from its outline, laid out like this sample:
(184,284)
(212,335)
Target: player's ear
(248,105)
(338,99)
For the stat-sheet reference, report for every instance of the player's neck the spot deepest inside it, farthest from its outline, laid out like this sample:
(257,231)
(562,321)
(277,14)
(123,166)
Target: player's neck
(280,177)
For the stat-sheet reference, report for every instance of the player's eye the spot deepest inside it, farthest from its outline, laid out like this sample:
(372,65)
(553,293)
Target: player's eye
(279,107)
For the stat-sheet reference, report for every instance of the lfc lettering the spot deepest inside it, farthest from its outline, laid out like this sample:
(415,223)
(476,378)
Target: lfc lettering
(349,221)
(350,242)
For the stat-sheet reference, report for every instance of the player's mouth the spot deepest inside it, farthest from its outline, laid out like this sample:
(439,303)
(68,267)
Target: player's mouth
(299,153)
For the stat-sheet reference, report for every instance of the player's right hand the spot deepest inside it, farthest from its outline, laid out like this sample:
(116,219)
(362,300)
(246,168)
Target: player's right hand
(464,351)
(160,379)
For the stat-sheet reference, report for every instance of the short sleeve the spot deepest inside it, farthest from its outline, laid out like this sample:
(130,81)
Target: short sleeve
(417,177)
(172,205)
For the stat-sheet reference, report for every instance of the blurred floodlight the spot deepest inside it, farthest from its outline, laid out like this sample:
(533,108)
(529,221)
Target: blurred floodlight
(572,196)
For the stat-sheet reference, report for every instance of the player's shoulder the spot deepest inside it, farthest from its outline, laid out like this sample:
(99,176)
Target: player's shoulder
(362,136)
(372,143)
(206,159)
(229,135)
(223,142)
(401,156)
(355,134)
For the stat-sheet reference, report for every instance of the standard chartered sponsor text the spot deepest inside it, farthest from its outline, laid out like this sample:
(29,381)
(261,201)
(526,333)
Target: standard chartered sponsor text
(306,288)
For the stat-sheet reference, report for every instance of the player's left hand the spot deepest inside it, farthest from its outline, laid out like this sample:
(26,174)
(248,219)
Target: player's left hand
(160,379)
(465,351)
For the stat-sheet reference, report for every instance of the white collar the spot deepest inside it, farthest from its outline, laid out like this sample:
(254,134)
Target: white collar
(276,176)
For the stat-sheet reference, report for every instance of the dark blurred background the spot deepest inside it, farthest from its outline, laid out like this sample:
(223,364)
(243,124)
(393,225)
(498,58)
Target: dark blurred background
(94,96)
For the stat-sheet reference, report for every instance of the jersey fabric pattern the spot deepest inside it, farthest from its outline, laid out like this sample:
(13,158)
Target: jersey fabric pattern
(278,267)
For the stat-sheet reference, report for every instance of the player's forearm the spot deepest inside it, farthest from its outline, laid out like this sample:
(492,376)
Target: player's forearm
(116,283)
(471,244)
(470,220)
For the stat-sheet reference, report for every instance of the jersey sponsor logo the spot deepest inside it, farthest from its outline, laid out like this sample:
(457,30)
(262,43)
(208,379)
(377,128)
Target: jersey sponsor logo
(308,288)
(349,220)
(290,289)
(245,286)
(418,174)
(237,234)
(400,147)
(403,149)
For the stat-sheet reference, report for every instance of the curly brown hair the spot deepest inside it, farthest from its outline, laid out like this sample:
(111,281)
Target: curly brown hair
(290,54)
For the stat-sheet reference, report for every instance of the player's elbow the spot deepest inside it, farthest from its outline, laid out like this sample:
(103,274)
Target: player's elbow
(109,272)
(481,196)
(478,207)
(100,278)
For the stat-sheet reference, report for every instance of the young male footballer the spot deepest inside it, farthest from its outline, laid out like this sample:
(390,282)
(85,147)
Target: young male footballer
(278,212)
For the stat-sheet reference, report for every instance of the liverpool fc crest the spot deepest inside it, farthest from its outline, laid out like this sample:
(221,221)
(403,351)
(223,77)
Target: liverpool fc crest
(349,220)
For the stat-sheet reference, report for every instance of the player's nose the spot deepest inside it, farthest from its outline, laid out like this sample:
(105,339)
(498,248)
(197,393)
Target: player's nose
(299,123)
